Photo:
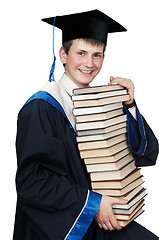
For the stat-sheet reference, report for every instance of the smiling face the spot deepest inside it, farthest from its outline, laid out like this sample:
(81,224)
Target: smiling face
(83,62)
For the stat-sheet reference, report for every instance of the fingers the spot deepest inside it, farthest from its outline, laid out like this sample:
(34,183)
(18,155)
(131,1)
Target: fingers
(122,81)
(110,224)
(113,220)
(105,216)
(119,201)
(111,78)
(115,223)
(127,83)
(107,225)
(100,225)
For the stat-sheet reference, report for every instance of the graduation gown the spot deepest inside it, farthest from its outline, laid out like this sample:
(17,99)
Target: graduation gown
(55,200)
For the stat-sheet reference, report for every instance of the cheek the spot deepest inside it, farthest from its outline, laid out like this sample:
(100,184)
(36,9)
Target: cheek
(74,61)
(99,64)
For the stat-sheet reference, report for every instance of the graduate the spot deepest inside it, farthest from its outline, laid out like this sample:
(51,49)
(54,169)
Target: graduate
(55,200)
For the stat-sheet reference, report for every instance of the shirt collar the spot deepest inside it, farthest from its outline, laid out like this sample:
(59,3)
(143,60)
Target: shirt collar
(67,84)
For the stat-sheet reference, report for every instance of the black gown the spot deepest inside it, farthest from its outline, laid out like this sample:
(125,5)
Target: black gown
(55,200)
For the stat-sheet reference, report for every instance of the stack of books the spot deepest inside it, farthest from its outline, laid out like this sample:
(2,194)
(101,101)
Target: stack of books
(101,127)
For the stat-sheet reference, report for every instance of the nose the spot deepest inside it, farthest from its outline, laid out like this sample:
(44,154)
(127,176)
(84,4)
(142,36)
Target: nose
(89,61)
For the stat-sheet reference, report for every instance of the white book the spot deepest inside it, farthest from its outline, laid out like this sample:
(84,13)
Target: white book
(99,116)
(117,184)
(100,101)
(101,130)
(113,175)
(129,216)
(95,89)
(133,201)
(101,124)
(110,165)
(124,223)
(111,159)
(98,95)
(130,210)
(104,152)
(104,136)
(99,109)
(120,192)
(102,144)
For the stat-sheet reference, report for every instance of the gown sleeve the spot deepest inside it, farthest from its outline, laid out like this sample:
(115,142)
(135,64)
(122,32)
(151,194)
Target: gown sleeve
(142,141)
(56,207)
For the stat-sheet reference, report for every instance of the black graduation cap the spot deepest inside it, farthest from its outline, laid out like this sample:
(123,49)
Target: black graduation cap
(91,24)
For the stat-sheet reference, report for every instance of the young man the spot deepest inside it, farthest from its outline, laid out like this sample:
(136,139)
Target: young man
(55,200)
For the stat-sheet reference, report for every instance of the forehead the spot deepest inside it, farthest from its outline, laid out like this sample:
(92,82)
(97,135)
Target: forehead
(80,44)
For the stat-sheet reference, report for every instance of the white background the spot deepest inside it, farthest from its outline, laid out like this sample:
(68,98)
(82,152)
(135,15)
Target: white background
(26,59)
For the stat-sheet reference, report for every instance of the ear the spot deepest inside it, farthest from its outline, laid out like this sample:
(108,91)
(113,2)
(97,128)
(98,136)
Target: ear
(62,55)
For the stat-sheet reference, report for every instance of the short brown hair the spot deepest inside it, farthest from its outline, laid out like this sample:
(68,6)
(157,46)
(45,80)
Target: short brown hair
(91,41)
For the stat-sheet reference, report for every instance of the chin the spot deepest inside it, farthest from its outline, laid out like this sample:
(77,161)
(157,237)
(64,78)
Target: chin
(86,82)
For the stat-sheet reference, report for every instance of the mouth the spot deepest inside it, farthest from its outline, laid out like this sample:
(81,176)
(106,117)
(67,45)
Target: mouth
(87,72)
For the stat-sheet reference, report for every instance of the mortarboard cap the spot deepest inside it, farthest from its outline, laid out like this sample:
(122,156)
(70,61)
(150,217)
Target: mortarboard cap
(91,24)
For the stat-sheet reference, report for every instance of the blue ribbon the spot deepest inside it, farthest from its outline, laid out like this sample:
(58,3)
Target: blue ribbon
(85,219)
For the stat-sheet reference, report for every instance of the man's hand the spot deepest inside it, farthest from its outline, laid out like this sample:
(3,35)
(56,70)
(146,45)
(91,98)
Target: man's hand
(127,83)
(105,217)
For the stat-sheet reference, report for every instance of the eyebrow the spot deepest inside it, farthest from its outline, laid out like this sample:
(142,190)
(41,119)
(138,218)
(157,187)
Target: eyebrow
(84,51)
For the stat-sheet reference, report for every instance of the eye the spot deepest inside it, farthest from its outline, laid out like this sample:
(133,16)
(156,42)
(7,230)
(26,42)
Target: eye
(80,53)
(98,55)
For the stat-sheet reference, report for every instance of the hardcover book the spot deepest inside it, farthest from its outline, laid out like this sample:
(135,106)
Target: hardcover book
(101,101)
(97,89)
(99,116)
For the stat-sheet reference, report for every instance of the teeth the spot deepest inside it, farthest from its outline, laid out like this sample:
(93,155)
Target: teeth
(85,71)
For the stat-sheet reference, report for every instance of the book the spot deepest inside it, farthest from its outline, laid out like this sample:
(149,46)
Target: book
(118,211)
(95,89)
(102,143)
(98,95)
(121,192)
(140,195)
(98,109)
(124,223)
(109,159)
(128,216)
(117,184)
(101,124)
(100,101)
(132,194)
(101,130)
(104,152)
(99,116)
(113,175)
(109,165)
(104,136)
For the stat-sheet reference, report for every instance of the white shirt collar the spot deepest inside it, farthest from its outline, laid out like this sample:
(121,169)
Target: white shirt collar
(67,84)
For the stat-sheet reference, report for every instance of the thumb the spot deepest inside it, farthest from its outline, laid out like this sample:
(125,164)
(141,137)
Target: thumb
(111,78)
(120,201)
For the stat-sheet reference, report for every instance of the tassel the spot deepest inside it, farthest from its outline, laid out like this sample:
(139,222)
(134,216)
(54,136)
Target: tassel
(51,76)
